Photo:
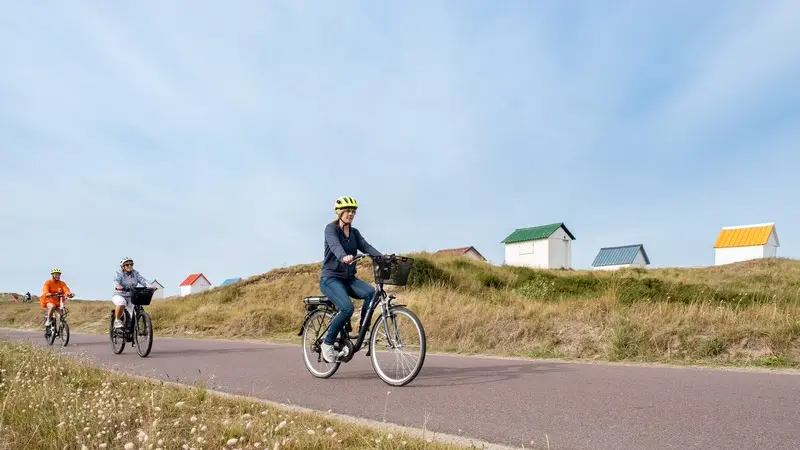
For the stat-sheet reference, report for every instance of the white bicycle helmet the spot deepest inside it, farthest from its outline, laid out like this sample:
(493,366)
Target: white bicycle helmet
(124,260)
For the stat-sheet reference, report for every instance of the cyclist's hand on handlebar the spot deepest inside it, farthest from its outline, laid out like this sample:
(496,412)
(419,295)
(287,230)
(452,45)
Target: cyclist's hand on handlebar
(347,259)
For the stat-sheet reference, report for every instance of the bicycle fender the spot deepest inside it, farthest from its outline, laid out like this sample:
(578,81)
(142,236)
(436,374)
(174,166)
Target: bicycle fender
(305,321)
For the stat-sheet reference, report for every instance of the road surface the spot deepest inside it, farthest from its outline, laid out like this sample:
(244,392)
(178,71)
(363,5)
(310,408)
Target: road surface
(505,401)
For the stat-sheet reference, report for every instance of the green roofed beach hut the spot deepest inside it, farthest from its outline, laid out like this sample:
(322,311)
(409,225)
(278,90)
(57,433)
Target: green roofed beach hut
(542,247)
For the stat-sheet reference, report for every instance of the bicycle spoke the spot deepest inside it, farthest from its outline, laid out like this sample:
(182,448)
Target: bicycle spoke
(402,357)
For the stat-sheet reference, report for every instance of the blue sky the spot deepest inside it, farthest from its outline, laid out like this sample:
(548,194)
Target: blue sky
(214,137)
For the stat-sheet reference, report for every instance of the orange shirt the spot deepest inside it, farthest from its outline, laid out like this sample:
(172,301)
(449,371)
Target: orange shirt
(52,286)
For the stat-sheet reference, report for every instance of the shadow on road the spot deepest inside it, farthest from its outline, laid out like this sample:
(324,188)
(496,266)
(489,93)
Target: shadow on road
(156,353)
(79,344)
(437,376)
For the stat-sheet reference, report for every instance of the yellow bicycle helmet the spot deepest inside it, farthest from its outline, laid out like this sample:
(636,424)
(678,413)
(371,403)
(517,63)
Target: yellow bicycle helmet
(55,271)
(345,202)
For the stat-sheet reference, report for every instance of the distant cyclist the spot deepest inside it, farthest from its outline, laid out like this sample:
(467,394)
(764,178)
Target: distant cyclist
(125,278)
(50,290)
(338,279)
(27,297)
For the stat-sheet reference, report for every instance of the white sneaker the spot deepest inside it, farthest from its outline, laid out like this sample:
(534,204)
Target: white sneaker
(117,323)
(329,353)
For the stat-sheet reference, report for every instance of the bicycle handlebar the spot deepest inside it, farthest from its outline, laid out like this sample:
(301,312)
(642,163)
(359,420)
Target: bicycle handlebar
(140,288)
(364,255)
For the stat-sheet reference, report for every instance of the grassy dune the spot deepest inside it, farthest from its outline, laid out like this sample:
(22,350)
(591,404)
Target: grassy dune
(743,314)
(51,402)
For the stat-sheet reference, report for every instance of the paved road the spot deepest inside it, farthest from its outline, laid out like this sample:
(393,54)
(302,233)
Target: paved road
(505,401)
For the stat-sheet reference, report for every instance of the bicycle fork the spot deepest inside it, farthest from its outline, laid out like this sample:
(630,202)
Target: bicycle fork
(392,338)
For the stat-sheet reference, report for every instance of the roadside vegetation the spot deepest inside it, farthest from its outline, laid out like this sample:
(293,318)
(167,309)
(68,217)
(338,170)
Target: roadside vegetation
(746,313)
(53,402)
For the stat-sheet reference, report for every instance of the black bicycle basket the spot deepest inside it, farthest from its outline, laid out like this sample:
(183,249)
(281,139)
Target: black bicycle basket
(142,296)
(392,269)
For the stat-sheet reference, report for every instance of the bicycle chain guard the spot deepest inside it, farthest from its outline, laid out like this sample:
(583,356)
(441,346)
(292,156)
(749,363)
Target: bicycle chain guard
(348,349)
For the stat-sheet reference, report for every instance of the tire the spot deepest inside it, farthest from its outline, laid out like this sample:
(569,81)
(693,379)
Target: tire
(64,333)
(50,333)
(309,340)
(117,339)
(377,329)
(144,318)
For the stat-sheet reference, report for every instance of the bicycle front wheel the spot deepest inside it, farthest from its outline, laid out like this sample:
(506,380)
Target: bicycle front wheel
(143,333)
(398,346)
(117,336)
(50,333)
(64,333)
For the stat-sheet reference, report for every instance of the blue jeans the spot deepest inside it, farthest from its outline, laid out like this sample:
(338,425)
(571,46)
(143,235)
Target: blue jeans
(339,292)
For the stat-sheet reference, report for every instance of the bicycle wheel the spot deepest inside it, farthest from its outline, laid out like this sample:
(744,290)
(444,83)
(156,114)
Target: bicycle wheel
(312,341)
(404,355)
(143,334)
(50,333)
(117,337)
(64,333)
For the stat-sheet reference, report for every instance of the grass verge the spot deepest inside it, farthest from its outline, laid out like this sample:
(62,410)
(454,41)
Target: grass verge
(48,401)
(743,314)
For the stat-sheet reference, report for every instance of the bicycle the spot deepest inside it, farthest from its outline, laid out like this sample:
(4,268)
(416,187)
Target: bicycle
(134,326)
(388,269)
(62,329)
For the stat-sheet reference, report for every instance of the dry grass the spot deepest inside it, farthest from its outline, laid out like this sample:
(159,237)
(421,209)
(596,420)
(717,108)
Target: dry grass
(54,402)
(741,314)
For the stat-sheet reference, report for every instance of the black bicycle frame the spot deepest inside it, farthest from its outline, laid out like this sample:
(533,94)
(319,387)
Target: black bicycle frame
(379,295)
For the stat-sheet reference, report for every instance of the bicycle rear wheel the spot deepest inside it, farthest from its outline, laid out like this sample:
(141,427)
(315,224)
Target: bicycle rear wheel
(143,334)
(402,357)
(312,340)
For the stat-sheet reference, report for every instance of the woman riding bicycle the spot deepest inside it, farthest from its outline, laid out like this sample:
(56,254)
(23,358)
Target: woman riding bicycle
(125,278)
(338,279)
